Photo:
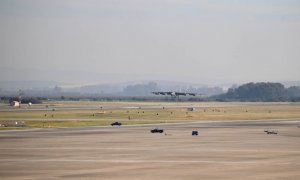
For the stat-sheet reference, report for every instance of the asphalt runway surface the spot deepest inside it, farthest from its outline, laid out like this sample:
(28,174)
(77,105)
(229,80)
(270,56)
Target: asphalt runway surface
(222,150)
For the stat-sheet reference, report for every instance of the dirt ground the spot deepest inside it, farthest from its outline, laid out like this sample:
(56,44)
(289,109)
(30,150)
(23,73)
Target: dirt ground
(223,150)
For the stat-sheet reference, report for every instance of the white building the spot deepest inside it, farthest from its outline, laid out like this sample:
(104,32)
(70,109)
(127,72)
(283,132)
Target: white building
(15,104)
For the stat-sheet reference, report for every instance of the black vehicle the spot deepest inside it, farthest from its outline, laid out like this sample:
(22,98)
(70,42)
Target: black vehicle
(194,133)
(271,131)
(157,130)
(116,123)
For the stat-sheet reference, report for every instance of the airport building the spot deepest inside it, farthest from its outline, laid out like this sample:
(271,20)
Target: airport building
(15,104)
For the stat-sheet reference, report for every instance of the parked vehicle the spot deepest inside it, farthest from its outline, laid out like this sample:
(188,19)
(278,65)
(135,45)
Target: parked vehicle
(157,130)
(116,123)
(194,133)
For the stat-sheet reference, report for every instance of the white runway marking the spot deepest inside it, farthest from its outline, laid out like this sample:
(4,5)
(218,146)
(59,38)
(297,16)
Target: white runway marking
(129,161)
(146,148)
(125,161)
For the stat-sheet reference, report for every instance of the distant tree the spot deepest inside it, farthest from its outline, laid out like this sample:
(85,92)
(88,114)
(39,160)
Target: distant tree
(257,92)
(31,100)
(11,99)
(293,91)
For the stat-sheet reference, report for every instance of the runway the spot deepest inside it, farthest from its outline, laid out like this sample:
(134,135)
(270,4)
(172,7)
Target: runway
(223,150)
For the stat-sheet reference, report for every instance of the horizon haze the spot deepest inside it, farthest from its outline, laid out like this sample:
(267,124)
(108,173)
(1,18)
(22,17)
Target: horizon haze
(110,41)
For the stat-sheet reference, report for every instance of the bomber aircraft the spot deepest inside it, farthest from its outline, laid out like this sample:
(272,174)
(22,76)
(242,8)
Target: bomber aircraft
(173,93)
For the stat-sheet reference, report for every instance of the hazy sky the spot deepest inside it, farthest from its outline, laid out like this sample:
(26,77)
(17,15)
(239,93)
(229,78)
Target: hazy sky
(197,41)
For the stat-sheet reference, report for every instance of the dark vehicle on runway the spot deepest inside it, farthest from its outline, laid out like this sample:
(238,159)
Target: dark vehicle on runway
(157,130)
(194,133)
(116,123)
(271,131)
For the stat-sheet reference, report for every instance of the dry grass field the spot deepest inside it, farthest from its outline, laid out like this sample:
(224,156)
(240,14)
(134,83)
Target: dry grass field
(91,113)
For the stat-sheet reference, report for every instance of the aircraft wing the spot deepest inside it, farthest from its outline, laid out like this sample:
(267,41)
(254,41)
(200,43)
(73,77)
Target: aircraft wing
(191,94)
(180,94)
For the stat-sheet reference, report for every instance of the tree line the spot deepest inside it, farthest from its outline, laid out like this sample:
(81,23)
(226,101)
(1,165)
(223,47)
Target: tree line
(261,91)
